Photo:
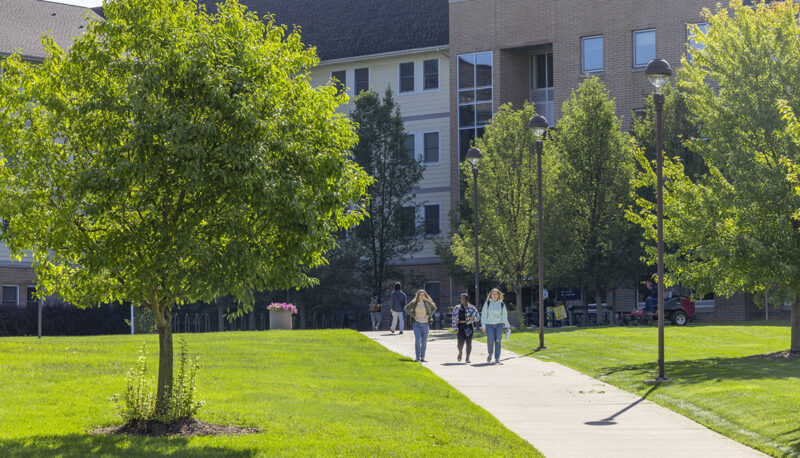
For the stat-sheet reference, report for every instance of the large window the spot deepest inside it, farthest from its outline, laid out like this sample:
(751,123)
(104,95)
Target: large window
(434,290)
(340,80)
(542,85)
(32,295)
(702,27)
(408,221)
(361,80)
(592,54)
(10,294)
(432,226)
(474,97)
(407,77)
(431,74)
(644,47)
(431,147)
(408,145)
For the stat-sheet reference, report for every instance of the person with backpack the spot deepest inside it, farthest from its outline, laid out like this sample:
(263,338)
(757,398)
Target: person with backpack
(375,312)
(494,317)
(421,310)
(398,302)
(465,315)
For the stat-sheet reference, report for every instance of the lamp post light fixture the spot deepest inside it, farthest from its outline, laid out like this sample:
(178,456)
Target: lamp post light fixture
(474,156)
(539,126)
(658,72)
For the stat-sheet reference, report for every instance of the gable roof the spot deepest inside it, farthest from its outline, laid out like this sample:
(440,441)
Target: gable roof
(24,22)
(349,28)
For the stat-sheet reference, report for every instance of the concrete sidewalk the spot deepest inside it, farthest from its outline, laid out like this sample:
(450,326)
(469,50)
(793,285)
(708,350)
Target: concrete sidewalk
(562,412)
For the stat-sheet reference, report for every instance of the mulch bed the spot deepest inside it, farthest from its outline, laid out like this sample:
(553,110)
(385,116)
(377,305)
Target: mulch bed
(187,427)
(786,354)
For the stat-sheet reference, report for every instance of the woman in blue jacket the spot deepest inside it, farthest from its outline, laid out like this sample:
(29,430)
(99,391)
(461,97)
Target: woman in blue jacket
(494,317)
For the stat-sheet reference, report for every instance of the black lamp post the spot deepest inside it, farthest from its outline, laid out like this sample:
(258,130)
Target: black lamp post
(539,126)
(474,155)
(658,72)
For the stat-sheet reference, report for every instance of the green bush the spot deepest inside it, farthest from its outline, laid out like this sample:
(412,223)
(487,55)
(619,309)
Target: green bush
(137,403)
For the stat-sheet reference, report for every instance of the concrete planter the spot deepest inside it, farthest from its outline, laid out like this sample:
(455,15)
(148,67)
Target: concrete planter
(280,320)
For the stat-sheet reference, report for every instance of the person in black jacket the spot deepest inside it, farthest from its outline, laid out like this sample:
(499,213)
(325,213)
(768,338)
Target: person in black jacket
(398,302)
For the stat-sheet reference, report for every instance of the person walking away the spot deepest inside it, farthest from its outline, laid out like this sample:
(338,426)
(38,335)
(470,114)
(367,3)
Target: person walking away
(494,317)
(398,301)
(465,315)
(375,312)
(421,311)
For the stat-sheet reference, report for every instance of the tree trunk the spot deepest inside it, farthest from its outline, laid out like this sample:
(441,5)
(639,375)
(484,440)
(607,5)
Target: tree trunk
(613,306)
(165,366)
(301,311)
(220,318)
(795,317)
(585,304)
(252,320)
(518,308)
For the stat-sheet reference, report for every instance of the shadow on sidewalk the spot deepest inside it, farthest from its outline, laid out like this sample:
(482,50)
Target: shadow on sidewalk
(610,420)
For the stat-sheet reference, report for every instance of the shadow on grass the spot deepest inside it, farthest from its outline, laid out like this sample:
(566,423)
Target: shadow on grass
(792,437)
(82,445)
(713,369)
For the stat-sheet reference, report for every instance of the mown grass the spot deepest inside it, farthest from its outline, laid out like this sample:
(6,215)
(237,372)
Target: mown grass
(753,400)
(310,393)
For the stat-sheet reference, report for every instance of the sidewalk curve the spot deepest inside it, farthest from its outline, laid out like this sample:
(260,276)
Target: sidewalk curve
(562,412)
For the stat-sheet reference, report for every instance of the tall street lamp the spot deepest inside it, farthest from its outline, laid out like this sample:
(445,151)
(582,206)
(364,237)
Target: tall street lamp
(539,126)
(658,72)
(474,155)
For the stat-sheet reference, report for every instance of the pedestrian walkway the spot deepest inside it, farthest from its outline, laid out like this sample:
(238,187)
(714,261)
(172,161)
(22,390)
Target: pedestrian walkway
(562,412)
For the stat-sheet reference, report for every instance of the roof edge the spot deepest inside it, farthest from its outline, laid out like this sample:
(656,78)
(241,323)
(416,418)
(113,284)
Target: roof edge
(402,52)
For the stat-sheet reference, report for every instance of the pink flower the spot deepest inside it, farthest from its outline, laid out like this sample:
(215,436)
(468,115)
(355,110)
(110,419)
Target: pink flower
(282,307)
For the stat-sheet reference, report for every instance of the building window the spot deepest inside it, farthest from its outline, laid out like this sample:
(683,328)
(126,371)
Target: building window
(10,294)
(361,80)
(434,290)
(692,45)
(31,295)
(407,77)
(639,114)
(592,54)
(431,74)
(408,146)
(339,80)
(474,97)
(431,147)
(542,84)
(432,219)
(644,47)
(408,221)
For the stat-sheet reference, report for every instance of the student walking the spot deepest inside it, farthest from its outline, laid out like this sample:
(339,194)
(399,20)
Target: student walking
(494,317)
(375,312)
(421,310)
(398,301)
(465,315)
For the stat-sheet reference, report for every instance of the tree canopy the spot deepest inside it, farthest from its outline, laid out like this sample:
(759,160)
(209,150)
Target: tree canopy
(173,156)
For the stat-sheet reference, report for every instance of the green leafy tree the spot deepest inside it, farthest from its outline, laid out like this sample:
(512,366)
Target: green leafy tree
(736,228)
(507,226)
(173,156)
(593,244)
(387,234)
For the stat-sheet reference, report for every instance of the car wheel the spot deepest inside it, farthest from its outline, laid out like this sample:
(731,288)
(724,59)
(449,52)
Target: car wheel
(679,318)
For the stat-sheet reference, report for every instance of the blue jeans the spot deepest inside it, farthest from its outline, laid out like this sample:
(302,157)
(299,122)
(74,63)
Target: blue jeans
(420,339)
(494,335)
(650,304)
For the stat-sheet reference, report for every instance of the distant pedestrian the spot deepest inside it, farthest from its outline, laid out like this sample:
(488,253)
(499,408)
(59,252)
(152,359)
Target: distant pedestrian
(375,312)
(465,315)
(398,301)
(494,317)
(652,297)
(421,311)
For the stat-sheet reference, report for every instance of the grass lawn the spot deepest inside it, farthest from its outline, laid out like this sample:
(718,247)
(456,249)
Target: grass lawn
(310,393)
(752,400)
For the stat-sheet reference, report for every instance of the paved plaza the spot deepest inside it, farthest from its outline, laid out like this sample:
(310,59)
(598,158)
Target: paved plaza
(562,412)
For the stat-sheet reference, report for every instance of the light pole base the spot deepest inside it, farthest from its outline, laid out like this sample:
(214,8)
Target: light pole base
(658,381)
(540,348)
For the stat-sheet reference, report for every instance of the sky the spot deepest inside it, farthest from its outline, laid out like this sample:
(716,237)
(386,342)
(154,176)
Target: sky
(86,3)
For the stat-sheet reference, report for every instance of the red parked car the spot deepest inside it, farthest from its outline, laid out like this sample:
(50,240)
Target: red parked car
(678,309)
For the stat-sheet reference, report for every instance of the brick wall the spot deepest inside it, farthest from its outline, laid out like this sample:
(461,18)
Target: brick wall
(20,276)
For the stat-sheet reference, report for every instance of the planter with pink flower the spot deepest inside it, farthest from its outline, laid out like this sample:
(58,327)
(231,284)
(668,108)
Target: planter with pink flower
(280,315)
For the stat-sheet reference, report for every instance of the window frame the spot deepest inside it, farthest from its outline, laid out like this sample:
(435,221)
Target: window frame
(356,91)
(655,46)
(438,147)
(424,75)
(16,301)
(413,152)
(414,211)
(343,88)
(475,129)
(438,218)
(437,299)
(690,46)
(602,54)
(400,77)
